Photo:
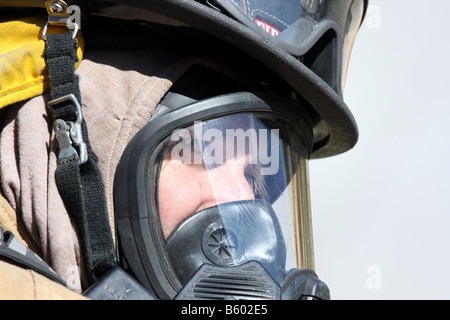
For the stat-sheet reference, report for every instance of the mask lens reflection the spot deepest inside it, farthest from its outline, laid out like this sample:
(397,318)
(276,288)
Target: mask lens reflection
(246,175)
(217,161)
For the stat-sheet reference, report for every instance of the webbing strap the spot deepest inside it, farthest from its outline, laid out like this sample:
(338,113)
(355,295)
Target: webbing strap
(77,176)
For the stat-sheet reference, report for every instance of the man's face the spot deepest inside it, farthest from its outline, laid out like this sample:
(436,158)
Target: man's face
(214,162)
(185,189)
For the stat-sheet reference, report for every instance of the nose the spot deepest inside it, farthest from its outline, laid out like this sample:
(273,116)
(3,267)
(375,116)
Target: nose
(224,184)
(186,189)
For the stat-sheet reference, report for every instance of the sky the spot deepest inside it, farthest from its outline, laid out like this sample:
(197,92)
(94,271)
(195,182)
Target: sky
(381,211)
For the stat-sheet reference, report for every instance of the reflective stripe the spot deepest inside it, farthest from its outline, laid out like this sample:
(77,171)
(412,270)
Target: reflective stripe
(13,250)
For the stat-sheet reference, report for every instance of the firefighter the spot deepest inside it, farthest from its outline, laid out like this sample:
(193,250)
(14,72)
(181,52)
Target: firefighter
(159,150)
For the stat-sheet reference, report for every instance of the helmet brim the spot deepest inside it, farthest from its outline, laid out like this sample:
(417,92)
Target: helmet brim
(329,105)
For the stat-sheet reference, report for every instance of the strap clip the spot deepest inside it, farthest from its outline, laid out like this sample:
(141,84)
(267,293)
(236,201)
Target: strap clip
(59,14)
(68,133)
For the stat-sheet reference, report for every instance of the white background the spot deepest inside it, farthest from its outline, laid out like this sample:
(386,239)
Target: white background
(381,211)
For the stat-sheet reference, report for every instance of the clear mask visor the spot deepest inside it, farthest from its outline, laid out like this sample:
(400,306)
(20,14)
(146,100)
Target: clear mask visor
(232,190)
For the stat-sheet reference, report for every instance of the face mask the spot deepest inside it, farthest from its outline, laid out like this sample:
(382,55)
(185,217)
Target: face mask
(216,205)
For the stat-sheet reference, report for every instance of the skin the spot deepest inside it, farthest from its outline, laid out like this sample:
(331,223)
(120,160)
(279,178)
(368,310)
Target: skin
(185,189)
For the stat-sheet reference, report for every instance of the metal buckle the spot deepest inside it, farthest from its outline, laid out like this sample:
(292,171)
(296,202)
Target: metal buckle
(68,133)
(58,15)
(75,30)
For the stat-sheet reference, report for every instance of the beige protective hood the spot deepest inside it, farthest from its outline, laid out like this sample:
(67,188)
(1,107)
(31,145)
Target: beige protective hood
(119,93)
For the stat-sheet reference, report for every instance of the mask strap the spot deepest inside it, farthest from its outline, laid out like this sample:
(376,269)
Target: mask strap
(77,176)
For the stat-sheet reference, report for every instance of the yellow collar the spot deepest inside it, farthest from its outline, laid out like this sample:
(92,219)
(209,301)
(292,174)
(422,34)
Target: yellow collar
(23,71)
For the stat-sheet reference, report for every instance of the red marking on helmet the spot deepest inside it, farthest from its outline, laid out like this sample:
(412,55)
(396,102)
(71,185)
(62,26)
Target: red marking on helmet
(271,30)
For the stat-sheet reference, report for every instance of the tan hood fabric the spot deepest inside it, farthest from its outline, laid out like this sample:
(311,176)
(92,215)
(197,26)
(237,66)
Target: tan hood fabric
(119,93)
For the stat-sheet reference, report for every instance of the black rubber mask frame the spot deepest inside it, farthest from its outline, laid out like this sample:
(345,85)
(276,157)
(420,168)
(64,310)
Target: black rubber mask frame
(142,247)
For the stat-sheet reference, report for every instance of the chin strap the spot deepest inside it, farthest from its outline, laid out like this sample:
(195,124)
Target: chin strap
(77,176)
